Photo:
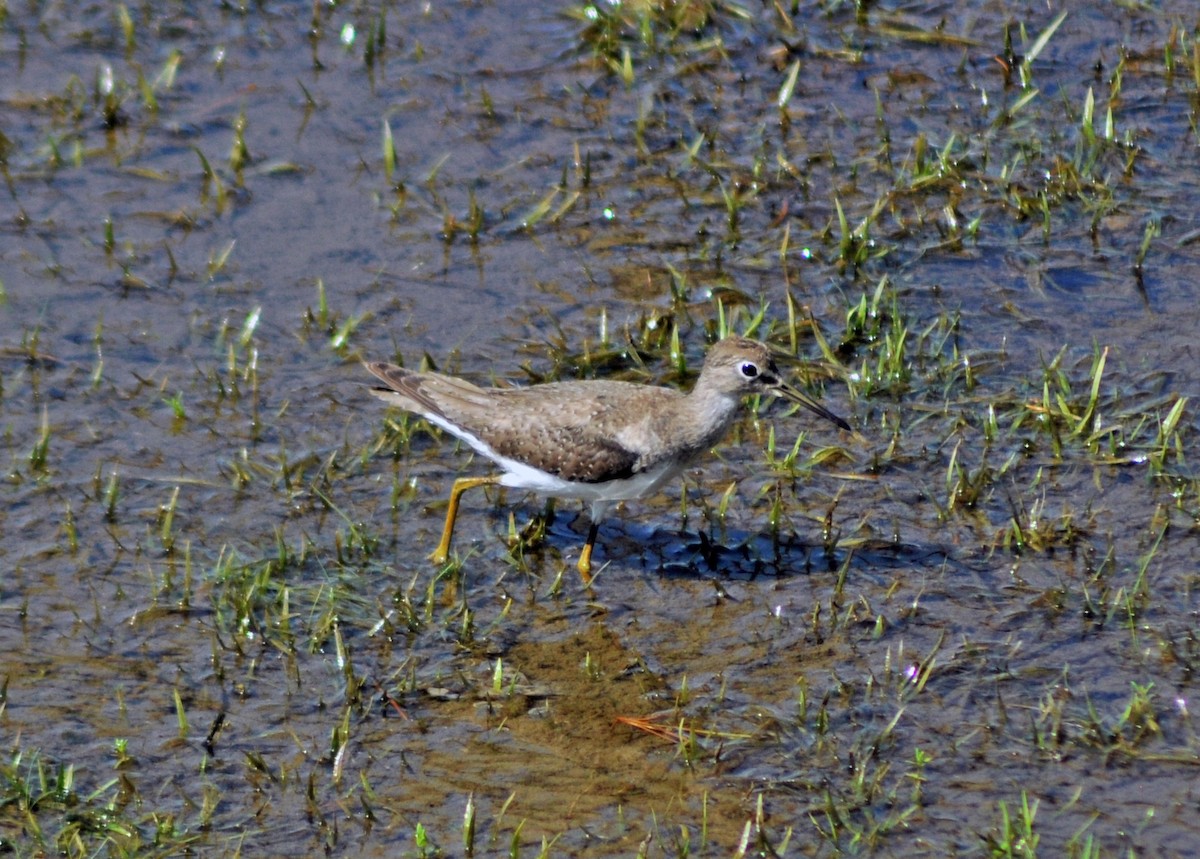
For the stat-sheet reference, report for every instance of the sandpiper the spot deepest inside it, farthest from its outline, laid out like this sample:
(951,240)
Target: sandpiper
(599,441)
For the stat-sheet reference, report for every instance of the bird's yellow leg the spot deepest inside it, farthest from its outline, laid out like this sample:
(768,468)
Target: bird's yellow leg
(585,556)
(442,552)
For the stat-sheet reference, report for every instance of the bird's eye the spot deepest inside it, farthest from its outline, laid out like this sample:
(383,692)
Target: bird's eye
(749,370)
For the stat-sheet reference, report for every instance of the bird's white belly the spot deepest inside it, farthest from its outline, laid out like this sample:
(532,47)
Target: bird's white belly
(521,476)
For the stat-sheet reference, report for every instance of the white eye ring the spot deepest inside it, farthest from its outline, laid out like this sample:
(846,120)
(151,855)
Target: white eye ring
(749,370)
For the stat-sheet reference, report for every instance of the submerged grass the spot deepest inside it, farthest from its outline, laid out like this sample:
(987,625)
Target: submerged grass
(939,635)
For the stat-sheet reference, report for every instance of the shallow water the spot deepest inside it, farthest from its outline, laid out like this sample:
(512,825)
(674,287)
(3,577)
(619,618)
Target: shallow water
(213,541)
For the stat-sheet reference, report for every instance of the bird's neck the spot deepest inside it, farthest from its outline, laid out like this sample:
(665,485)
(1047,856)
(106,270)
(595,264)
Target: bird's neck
(706,415)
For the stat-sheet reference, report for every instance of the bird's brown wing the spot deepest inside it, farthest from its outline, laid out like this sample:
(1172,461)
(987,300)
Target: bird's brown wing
(575,430)
(429,393)
(566,450)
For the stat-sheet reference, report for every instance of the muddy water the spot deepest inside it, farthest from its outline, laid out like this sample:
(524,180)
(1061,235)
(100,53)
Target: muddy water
(213,551)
